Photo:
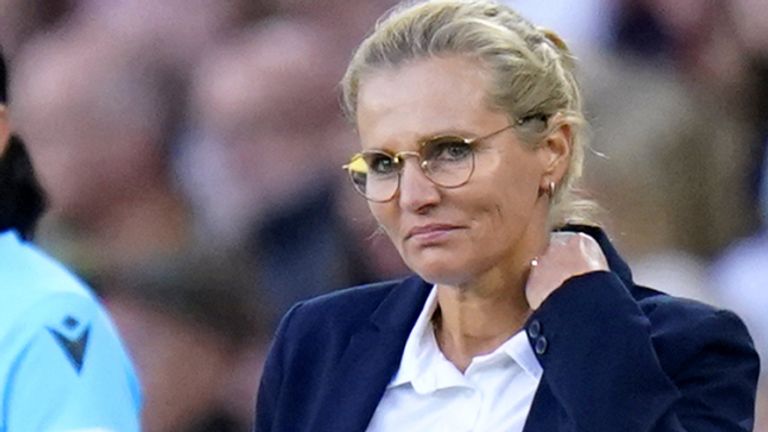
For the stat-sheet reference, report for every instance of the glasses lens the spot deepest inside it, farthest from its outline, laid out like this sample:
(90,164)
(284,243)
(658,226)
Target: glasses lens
(374,174)
(448,161)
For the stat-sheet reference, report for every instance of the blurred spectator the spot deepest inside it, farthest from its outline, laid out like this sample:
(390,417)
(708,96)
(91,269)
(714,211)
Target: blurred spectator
(177,30)
(262,166)
(63,366)
(200,339)
(674,159)
(721,50)
(671,108)
(347,22)
(23,20)
(100,115)
(740,277)
(725,52)
(586,27)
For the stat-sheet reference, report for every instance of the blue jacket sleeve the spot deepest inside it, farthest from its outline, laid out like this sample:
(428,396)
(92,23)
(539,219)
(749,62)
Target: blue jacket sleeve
(71,373)
(618,364)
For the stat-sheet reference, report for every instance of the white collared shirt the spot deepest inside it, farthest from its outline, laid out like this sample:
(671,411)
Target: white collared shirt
(428,393)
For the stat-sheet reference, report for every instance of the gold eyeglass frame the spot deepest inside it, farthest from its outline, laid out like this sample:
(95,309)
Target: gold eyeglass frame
(400,156)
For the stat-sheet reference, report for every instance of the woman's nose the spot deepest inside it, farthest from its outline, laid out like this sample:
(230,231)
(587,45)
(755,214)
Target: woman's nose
(417,192)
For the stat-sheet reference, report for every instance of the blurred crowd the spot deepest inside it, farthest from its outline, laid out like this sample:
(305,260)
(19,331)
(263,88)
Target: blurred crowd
(192,153)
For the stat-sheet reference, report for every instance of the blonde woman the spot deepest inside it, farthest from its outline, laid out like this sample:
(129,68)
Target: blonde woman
(521,316)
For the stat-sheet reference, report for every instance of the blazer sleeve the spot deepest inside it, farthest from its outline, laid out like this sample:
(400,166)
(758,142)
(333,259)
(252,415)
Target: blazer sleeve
(613,366)
(272,376)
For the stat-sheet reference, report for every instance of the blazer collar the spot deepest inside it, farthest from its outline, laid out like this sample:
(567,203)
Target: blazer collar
(402,306)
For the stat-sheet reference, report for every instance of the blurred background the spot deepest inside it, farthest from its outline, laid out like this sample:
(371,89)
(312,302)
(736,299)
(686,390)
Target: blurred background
(191,150)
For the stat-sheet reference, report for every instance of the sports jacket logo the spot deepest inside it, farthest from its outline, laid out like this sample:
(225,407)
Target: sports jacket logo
(74,345)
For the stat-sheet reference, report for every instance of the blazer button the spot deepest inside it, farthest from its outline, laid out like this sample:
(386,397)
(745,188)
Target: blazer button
(534,329)
(541,345)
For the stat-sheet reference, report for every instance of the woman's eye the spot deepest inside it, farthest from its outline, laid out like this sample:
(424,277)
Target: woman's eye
(381,164)
(450,151)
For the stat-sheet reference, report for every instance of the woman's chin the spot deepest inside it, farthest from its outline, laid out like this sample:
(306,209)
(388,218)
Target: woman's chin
(441,273)
(442,265)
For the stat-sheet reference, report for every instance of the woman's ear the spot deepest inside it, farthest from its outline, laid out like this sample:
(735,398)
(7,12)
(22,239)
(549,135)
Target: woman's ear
(555,152)
(5,129)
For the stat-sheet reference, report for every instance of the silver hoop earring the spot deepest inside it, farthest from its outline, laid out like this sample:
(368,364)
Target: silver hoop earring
(551,189)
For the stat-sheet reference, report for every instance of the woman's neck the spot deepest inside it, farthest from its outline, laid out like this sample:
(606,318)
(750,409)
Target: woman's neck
(473,322)
(477,317)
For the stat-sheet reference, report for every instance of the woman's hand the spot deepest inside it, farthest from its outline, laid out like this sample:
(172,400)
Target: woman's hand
(569,254)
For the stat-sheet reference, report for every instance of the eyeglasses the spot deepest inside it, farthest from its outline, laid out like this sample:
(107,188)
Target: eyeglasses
(447,161)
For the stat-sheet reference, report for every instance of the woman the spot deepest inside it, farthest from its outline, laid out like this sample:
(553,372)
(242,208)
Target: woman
(62,364)
(470,122)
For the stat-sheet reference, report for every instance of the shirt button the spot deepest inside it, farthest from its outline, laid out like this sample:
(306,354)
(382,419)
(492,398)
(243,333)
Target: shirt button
(534,329)
(541,345)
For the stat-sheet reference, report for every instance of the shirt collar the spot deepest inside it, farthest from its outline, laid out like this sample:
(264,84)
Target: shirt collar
(426,369)
(419,347)
(519,349)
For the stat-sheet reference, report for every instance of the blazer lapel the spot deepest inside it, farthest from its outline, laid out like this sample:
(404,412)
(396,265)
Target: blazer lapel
(360,378)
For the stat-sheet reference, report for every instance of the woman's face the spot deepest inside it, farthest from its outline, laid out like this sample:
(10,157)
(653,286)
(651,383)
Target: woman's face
(454,236)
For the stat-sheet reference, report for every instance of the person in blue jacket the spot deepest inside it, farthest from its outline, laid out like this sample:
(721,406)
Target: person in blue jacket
(521,316)
(63,366)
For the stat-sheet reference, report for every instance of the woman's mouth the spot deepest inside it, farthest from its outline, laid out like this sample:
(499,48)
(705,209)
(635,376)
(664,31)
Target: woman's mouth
(431,232)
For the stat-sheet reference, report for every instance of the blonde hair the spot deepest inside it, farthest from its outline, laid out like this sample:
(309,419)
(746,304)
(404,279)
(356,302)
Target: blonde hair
(532,73)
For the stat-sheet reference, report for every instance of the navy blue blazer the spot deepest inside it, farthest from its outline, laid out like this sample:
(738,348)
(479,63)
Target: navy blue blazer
(617,357)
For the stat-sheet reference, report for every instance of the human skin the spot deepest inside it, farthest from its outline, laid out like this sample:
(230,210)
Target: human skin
(476,242)
(494,223)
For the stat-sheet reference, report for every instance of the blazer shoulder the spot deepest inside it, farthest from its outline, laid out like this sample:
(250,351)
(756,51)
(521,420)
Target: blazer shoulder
(682,327)
(659,306)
